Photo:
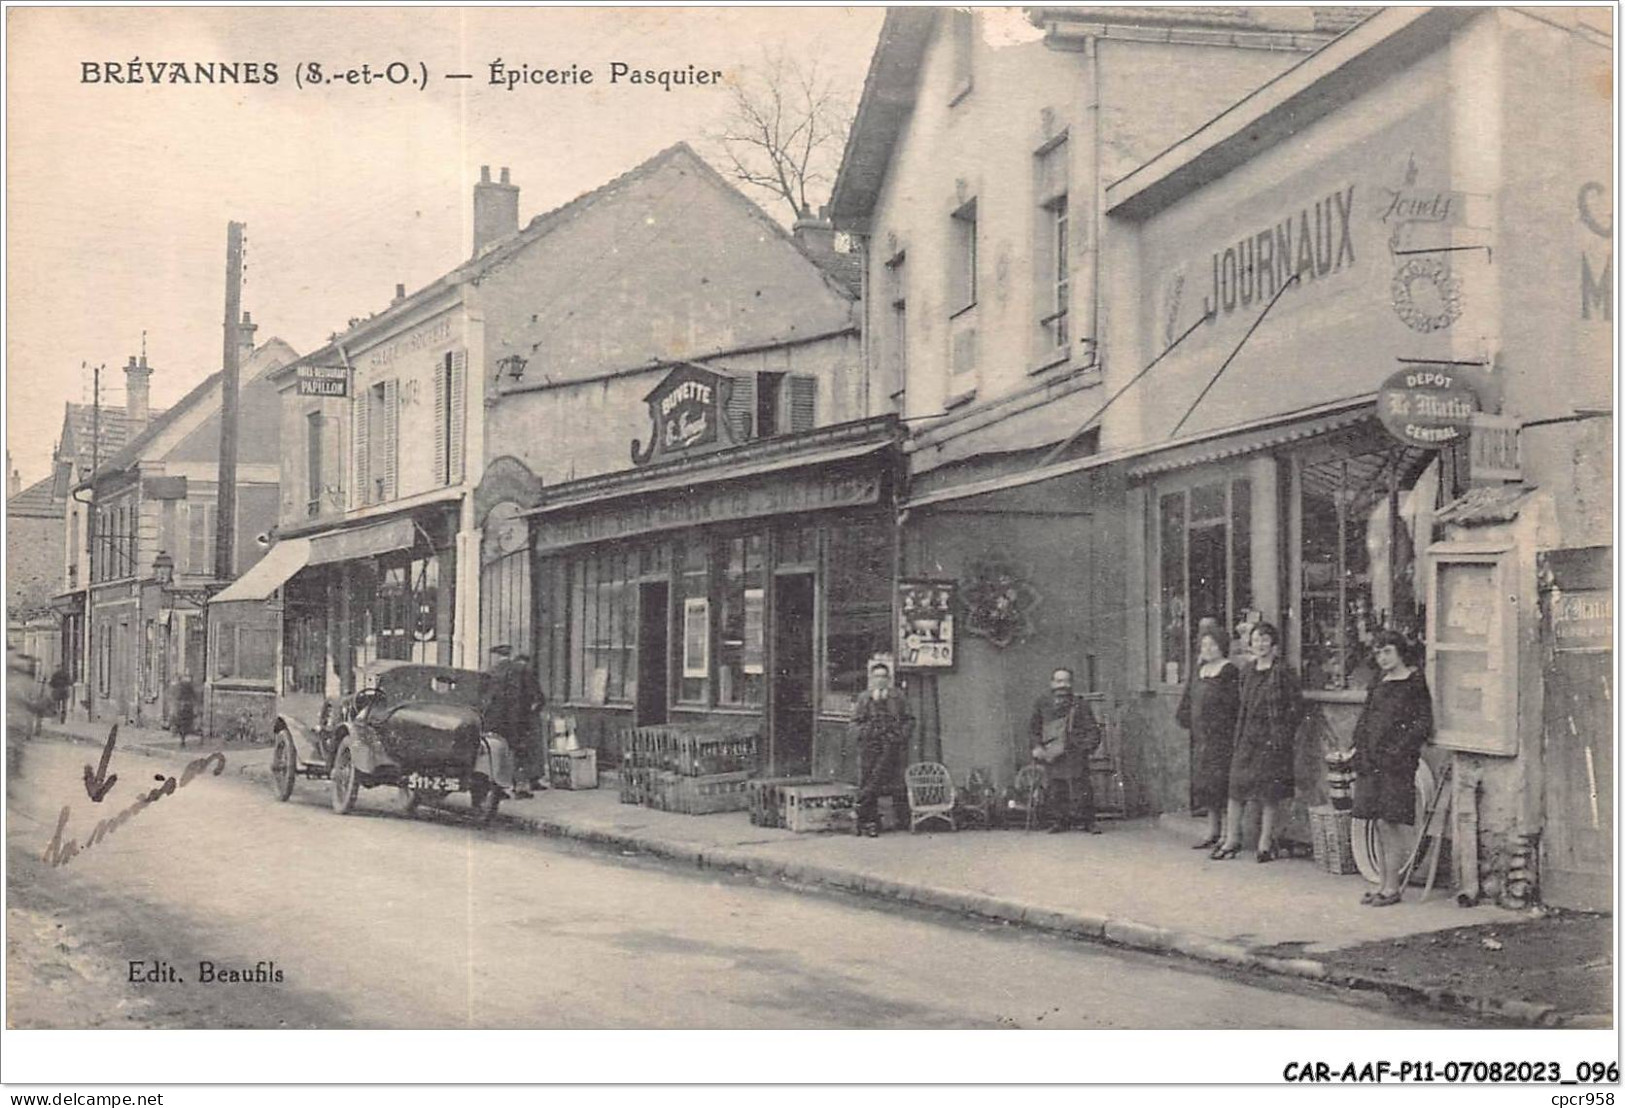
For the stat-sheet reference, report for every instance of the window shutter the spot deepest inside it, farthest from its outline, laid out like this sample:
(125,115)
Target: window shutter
(392,426)
(803,402)
(457,384)
(442,371)
(363,479)
(742,405)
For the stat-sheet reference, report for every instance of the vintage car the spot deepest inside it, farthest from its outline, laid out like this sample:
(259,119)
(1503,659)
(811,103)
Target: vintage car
(416,727)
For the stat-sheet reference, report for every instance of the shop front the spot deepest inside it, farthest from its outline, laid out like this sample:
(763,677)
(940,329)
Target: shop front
(741,590)
(1370,406)
(309,621)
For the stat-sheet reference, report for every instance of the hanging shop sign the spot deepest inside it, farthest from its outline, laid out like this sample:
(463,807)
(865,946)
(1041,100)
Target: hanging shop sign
(1427,406)
(1493,454)
(688,413)
(323,380)
(925,624)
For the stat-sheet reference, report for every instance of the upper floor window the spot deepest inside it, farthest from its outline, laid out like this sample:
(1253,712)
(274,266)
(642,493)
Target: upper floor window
(313,463)
(961,36)
(897,317)
(766,404)
(377,420)
(962,259)
(1051,253)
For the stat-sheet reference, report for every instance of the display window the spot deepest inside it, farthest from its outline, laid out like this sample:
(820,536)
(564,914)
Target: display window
(1363,513)
(1204,533)
(741,626)
(858,598)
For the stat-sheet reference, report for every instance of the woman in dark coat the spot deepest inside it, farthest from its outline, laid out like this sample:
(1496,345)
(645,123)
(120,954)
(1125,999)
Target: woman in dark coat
(1261,769)
(1388,739)
(1208,712)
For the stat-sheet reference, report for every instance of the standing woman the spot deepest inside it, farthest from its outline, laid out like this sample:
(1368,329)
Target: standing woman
(1208,712)
(1388,739)
(1266,730)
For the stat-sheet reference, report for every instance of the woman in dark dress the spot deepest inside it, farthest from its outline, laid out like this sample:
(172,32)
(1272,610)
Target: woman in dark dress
(1388,739)
(1261,769)
(1208,712)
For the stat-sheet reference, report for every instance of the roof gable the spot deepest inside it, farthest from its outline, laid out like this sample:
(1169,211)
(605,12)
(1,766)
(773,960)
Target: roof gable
(38,500)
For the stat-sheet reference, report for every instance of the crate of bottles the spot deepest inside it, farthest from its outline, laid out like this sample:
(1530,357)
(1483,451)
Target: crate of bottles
(823,807)
(1334,839)
(766,798)
(573,769)
(689,752)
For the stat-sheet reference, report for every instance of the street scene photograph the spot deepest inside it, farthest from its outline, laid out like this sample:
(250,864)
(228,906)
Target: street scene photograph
(922,519)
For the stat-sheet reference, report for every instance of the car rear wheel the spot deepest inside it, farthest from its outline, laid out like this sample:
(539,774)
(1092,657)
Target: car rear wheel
(284,766)
(346,781)
(486,798)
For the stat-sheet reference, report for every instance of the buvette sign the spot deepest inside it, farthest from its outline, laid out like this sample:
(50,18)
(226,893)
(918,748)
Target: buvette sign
(688,411)
(1427,407)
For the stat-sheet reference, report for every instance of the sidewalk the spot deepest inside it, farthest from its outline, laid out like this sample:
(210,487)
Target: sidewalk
(1138,885)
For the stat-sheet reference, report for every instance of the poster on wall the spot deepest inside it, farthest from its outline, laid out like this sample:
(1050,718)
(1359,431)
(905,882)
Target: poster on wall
(925,624)
(696,637)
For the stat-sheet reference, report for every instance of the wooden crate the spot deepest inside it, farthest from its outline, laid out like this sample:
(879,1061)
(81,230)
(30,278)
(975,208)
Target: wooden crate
(703,796)
(766,798)
(1333,840)
(573,769)
(819,807)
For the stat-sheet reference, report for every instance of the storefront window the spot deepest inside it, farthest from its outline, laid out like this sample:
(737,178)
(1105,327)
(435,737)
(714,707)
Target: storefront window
(694,592)
(304,645)
(245,653)
(1205,536)
(740,623)
(858,588)
(391,620)
(1364,517)
(603,626)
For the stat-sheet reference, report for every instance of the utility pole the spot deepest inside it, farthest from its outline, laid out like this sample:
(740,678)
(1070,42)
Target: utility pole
(225,530)
(91,531)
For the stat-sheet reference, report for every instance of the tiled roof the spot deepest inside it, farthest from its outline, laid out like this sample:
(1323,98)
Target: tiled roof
(1490,504)
(271,353)
(35,500)
(114,432)
(541,225)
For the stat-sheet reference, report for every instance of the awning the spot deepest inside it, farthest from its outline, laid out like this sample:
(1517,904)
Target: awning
(268,574)
(363,542)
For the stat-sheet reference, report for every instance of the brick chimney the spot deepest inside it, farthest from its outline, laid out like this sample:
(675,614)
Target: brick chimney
(816,234)
(245,339)
(137,393)
(496,209)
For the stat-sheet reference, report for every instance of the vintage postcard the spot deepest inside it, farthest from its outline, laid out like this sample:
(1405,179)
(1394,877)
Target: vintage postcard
(782,519)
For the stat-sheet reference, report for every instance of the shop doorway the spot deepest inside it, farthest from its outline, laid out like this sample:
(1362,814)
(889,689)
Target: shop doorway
(653,652)
(792,694)
(1577,644)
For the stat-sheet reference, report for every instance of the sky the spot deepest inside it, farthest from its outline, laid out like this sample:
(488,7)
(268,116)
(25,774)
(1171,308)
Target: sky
(118,195)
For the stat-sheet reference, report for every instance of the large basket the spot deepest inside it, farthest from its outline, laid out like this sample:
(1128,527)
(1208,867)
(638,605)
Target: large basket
(1334,840)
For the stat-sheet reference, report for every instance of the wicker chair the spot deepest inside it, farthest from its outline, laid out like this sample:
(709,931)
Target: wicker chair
(1028,791)
(930,794)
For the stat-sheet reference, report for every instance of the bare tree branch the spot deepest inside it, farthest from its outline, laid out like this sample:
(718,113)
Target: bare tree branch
(786,131)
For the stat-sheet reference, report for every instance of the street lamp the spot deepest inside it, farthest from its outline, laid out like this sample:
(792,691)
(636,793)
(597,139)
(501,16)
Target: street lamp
(163,569)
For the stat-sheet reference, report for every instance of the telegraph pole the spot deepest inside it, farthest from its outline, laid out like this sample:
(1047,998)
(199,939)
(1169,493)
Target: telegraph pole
(225,530)
(92,526)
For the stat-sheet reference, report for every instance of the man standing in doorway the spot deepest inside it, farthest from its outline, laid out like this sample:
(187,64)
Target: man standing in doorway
(883,724)
(511,702)
(1064,733)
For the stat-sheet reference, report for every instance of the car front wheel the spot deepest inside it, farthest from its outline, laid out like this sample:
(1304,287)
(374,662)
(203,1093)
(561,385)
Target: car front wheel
(346,781)
(284,766)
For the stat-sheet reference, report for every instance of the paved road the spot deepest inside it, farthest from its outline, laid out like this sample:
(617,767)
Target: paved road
(382,920)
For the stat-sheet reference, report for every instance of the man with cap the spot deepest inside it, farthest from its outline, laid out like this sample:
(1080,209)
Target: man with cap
(513,698)
(1064,733)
